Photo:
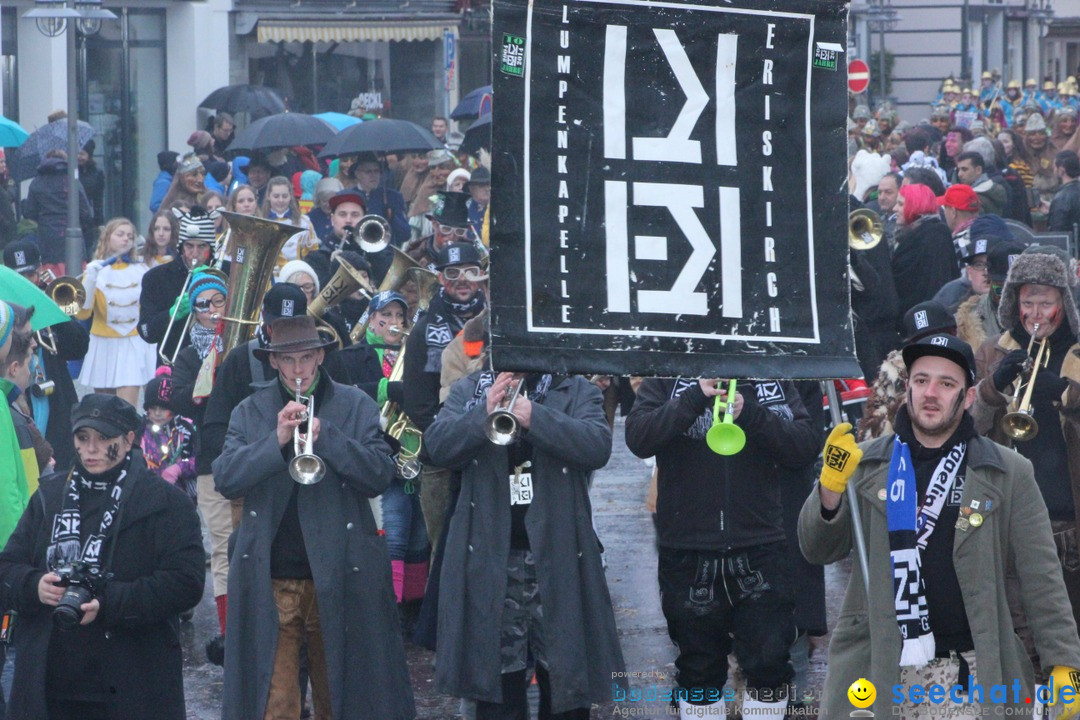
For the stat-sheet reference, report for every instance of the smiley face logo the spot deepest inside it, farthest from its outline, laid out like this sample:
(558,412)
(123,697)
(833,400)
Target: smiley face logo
(862,693)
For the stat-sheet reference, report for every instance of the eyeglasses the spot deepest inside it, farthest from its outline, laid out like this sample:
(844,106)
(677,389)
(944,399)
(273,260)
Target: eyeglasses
(455,231)
(308,288)
(217,301)
(471,273)
(980,266)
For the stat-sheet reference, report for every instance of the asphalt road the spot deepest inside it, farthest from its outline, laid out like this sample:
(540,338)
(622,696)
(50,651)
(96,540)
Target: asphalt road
(625,528)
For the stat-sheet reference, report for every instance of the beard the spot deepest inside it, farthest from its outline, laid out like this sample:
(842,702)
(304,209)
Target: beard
(941,428)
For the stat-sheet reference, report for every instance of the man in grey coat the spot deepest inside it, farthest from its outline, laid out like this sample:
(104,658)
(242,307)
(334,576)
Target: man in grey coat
(944,511)
(522,571)
(308,560)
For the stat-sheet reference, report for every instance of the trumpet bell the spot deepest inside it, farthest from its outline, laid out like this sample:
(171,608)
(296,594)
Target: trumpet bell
(408,467)
(725,439)
(373,233)
(865,229)
(1019,425)
(67,292)
(501,427)
(307,469)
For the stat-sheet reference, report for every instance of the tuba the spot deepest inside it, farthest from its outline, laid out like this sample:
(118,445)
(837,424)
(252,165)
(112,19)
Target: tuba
(865,229)
(426,282)
(397,424)
(396,276)
(256,244)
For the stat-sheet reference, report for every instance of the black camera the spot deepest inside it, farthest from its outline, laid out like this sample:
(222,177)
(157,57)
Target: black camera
(83,582)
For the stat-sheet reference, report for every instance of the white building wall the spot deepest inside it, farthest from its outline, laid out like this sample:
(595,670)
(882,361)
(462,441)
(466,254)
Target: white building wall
(42,74)
(197,61)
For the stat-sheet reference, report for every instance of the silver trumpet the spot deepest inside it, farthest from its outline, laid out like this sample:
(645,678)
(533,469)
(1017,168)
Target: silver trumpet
(501,427)
(373,232)
(306,467)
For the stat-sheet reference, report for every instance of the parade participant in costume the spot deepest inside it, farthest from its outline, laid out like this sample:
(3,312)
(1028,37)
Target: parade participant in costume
(943,512)
(111,651)
(308,561)
(167,439)
(163,287)
(118,360)
(522,575)
(449,220)
(721,536)
(458,300)
(50,405)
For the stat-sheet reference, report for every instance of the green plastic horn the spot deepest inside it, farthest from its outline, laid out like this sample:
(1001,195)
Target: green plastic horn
(725,437)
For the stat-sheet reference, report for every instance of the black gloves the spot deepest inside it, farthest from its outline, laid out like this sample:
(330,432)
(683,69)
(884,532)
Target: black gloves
(395,392)
(1049,385)
(1008,369)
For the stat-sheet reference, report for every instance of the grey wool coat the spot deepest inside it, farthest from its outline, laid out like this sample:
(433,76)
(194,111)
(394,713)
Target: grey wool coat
(570,438)
(1015,531)
(365,658)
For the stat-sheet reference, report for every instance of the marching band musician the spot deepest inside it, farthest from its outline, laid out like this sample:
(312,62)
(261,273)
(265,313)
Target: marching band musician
(371,363)
(723,568)
(48,365)
(1037,300)
(347,208)
(521,572)
(118,361)
(458,300)
(308,561)
(164,284)
(242,373)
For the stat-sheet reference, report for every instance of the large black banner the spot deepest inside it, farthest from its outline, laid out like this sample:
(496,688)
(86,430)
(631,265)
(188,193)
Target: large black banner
(670,188)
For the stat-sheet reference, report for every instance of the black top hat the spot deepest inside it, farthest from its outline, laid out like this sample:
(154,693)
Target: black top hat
(927,318)
(110,415)
(22,256)
(293,334)
(450,208)
(949,347)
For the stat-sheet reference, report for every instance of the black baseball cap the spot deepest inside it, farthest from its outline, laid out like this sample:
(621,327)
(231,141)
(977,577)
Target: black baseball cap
(949,347)
(283,300)
(458,253)
(22,256)
(110,415)
(927,318)
(1000,258)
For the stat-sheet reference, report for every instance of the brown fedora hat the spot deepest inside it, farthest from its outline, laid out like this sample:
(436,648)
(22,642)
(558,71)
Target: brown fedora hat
(293,334)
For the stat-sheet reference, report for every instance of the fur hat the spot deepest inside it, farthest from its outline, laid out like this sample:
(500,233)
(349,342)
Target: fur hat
(1039,269)
(868,168)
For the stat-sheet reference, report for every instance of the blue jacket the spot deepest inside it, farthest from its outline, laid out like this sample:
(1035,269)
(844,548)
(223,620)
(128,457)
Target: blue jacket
(161,187)
(389,203)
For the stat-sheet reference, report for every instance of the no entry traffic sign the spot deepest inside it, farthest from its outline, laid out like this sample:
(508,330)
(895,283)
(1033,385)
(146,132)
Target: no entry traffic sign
(858,76)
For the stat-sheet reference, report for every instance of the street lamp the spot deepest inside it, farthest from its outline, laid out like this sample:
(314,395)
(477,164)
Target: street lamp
(53,17)
(881,16)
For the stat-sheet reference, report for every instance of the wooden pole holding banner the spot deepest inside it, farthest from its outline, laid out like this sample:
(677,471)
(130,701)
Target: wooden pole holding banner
(856,517)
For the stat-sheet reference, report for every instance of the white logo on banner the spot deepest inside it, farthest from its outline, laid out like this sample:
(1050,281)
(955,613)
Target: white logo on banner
(680,200)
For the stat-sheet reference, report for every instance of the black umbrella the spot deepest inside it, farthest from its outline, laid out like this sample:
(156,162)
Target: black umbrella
(475,104)
(283,130)
(381,136)
(477,136)
(53,136)
(257,101)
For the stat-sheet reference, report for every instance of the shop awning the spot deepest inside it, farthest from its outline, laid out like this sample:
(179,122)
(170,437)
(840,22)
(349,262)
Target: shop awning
(272,31)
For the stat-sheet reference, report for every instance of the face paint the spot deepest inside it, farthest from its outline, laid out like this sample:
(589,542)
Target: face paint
(113,451)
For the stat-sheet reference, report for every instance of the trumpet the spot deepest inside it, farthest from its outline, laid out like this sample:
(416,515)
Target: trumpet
(306,467)
(725,437)
(373,232)
(501,426)
(865,229)
(1019,423)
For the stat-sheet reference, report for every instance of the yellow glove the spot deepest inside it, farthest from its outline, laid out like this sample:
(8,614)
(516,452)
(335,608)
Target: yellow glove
(841,456)
(1066,679)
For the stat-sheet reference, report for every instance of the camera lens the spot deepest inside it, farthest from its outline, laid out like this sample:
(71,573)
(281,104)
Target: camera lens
(68,612)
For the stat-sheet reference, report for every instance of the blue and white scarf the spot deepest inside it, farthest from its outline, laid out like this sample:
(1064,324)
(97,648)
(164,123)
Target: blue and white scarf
(910,527)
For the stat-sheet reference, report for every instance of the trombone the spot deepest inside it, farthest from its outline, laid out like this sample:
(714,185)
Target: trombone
(1019,423)
(214,269)
(501,426)
(725,437)
(306,467)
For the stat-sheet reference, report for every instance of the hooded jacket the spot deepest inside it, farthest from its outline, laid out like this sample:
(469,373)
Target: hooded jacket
(46,204)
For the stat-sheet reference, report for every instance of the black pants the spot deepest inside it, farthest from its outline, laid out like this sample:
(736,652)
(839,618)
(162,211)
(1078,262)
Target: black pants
(515,704)
(76,710)
(715,602)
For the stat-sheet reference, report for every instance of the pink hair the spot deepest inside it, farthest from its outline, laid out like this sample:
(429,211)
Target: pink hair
(919,200)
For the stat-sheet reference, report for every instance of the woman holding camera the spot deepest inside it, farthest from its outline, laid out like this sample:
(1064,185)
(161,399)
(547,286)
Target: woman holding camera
(101,563)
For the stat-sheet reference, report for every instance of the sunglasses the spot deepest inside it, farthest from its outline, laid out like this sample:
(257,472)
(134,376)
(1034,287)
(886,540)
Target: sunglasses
(455,231)
(471,273)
